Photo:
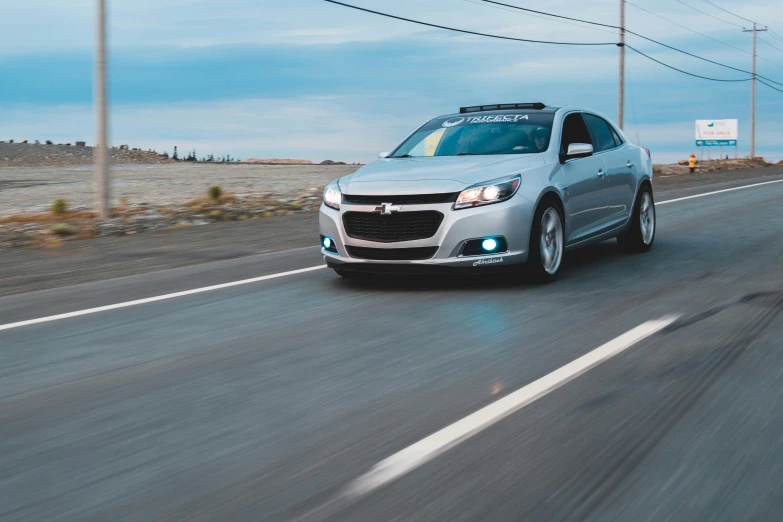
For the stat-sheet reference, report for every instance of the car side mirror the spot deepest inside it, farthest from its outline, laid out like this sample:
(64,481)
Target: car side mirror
(577,150)
(383,155)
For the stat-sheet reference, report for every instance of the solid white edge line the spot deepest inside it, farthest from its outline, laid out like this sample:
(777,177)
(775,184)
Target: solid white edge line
(264,278)
(430,447)
(157,298)
(717,192)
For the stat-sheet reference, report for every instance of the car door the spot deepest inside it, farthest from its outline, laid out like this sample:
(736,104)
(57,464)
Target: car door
(583,182)
(621,181)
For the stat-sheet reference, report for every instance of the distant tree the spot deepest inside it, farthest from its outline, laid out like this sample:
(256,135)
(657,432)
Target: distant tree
(175,156)
(165,154)
(211,158)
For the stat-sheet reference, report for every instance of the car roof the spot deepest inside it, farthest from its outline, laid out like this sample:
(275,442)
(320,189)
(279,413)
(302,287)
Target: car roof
(545,110)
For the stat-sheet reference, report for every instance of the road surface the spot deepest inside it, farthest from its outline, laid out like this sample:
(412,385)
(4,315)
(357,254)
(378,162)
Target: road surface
(300,396)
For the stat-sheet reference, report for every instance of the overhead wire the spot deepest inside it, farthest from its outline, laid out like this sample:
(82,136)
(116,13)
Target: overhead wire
(686,27)
(713,4)
(478,2)
(685,72)
(766,42)
(629,32)
(775,35)
(701,34)
(550,42)
(708,14)
(465,31)
(768,85)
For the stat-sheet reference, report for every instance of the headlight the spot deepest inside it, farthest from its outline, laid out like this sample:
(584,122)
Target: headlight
(488,192)
(333,198)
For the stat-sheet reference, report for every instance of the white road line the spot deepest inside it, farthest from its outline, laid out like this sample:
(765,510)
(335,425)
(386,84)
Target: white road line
(264,278)
(157,298)
(717,192)
(430,447)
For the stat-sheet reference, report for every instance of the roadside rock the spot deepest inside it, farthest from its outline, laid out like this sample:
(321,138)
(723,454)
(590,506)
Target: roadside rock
(143,217)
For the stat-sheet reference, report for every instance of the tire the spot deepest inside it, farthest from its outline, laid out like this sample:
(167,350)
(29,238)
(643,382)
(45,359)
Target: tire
(547,243)
(641,235)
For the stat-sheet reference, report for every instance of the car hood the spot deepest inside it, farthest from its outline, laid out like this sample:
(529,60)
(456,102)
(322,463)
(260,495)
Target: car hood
(434,174)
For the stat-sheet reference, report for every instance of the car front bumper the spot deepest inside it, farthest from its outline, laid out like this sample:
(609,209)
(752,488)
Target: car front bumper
(510,219)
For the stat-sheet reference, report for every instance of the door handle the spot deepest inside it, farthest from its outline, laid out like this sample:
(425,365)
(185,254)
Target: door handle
(629,164)
(601,173)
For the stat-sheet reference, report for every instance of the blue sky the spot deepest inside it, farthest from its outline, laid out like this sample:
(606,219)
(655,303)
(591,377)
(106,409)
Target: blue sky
(307,79)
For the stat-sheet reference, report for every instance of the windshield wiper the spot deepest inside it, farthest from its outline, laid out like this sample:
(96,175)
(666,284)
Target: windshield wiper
(465,154)
(403,156)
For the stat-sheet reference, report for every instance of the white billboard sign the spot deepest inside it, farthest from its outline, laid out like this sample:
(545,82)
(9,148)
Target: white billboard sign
(716,132)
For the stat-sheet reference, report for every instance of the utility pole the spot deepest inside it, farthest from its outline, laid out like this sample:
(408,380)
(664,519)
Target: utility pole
(101,150)
(621,102)
(755,31)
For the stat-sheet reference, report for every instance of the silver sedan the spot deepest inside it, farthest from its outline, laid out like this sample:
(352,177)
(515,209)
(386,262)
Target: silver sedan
(497,186)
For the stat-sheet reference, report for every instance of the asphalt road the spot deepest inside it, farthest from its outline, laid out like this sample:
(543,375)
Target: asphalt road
(272,400)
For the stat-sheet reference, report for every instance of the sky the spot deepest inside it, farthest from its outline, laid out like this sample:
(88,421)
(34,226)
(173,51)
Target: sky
(313,80)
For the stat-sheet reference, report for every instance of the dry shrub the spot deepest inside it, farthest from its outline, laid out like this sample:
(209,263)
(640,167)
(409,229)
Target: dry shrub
(59,207)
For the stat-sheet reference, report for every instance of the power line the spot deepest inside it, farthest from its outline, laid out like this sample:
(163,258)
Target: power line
(775,35)
(766,42)
(770,86)
(629,32)
(465,31)
(686,27)
(478,2)
(700,34)
(685,72)
(550,14)
(708,14)
(713,4)
(540,41)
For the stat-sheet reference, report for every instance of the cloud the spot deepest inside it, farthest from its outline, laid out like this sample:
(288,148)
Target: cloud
(238,76)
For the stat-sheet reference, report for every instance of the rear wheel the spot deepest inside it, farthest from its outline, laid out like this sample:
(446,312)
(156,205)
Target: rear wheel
(641,235)
(547,243)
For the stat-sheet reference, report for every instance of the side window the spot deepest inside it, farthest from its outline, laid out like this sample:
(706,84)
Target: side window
(574,131)
(617,139)
(603,139)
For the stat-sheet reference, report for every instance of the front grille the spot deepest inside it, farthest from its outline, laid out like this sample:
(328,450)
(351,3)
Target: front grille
(392,254)
(402,226)
(411,199)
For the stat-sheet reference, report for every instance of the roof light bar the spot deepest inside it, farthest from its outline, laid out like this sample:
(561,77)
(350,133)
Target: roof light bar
(502,107)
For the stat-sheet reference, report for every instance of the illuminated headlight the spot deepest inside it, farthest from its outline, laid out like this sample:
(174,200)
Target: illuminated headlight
(488,193)
(332,198)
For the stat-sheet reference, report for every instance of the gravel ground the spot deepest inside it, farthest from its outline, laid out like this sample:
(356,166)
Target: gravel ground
(32,189)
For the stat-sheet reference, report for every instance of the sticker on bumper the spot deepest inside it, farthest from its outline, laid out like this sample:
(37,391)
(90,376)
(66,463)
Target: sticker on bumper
(492,261)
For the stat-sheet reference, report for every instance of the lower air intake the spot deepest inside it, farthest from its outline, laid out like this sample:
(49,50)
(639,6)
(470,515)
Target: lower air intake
(392,254)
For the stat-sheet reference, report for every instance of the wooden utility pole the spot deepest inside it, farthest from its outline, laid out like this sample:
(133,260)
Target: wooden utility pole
(101,150)
(621,101)
(755,31)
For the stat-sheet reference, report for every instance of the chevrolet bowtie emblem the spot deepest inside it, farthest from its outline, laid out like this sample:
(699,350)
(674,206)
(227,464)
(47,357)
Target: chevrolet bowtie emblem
(387,208)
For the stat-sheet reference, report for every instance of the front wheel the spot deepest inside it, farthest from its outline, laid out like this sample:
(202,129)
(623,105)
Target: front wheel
(641,235)
(547,243)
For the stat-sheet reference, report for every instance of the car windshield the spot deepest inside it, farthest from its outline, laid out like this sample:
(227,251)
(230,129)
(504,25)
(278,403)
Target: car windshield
(480,134)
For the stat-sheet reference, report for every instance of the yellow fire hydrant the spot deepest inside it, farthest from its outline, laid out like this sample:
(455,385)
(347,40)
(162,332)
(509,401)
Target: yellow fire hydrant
(692,163)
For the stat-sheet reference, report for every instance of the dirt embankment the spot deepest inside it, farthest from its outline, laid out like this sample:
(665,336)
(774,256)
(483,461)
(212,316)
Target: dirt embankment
(69,155)
(712,166)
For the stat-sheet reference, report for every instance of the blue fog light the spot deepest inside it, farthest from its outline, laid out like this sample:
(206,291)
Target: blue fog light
(489,244)
(327,242)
